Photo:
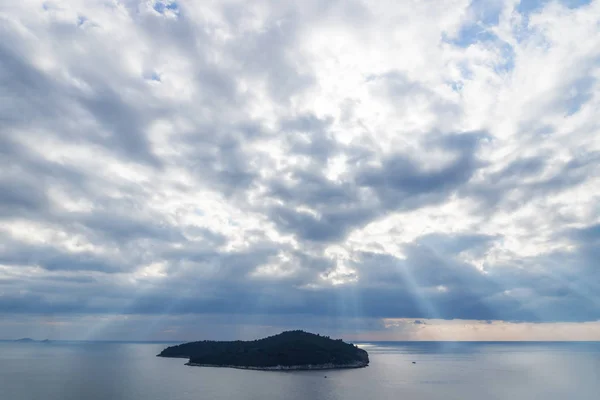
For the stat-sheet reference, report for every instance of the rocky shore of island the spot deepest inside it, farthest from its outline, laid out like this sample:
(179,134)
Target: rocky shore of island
(358,364)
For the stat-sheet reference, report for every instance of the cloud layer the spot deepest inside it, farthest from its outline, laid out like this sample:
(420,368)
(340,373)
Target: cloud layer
(370,160)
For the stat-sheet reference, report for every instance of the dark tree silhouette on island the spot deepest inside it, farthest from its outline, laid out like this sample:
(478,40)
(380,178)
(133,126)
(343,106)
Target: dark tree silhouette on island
(288,349)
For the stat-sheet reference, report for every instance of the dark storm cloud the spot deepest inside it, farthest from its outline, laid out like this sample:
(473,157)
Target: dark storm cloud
(399,184)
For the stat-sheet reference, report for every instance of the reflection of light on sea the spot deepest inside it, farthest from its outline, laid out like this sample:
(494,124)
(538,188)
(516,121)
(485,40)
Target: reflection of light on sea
(365,345)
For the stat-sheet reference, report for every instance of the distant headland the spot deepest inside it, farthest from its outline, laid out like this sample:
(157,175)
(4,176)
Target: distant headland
(291,350)
(30,340)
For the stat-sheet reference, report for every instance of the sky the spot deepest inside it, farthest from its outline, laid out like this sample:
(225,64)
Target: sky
(373,170)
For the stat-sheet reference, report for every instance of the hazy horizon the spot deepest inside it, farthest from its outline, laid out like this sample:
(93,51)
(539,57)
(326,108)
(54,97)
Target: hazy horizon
(365,341)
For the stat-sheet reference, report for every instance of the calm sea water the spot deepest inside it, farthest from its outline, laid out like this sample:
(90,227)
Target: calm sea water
(465,371)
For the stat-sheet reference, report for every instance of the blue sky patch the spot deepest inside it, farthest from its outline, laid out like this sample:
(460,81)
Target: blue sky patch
(470,34)
(529,6)
(164,6)
(152,76)
(487,12)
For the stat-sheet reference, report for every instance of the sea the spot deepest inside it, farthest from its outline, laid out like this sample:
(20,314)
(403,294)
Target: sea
(398,370)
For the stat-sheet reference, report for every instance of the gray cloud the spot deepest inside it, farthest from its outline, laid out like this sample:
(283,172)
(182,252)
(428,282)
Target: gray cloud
(426,284)
(18,196)
(400,183)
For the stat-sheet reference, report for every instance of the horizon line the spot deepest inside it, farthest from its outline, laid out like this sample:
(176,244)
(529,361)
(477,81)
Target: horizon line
(31,340)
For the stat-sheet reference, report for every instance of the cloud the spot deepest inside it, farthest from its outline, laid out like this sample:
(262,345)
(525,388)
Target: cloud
(474,330)
(342,161)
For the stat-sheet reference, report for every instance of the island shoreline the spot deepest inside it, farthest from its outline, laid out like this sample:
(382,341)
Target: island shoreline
(285,367)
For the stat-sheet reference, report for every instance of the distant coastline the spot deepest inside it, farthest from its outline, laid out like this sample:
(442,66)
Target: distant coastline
(30,340)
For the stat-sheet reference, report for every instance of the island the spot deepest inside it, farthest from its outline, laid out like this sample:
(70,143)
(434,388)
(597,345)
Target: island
(291,350)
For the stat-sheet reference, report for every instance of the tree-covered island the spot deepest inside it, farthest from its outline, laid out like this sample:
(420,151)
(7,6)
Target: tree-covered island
(292,350)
